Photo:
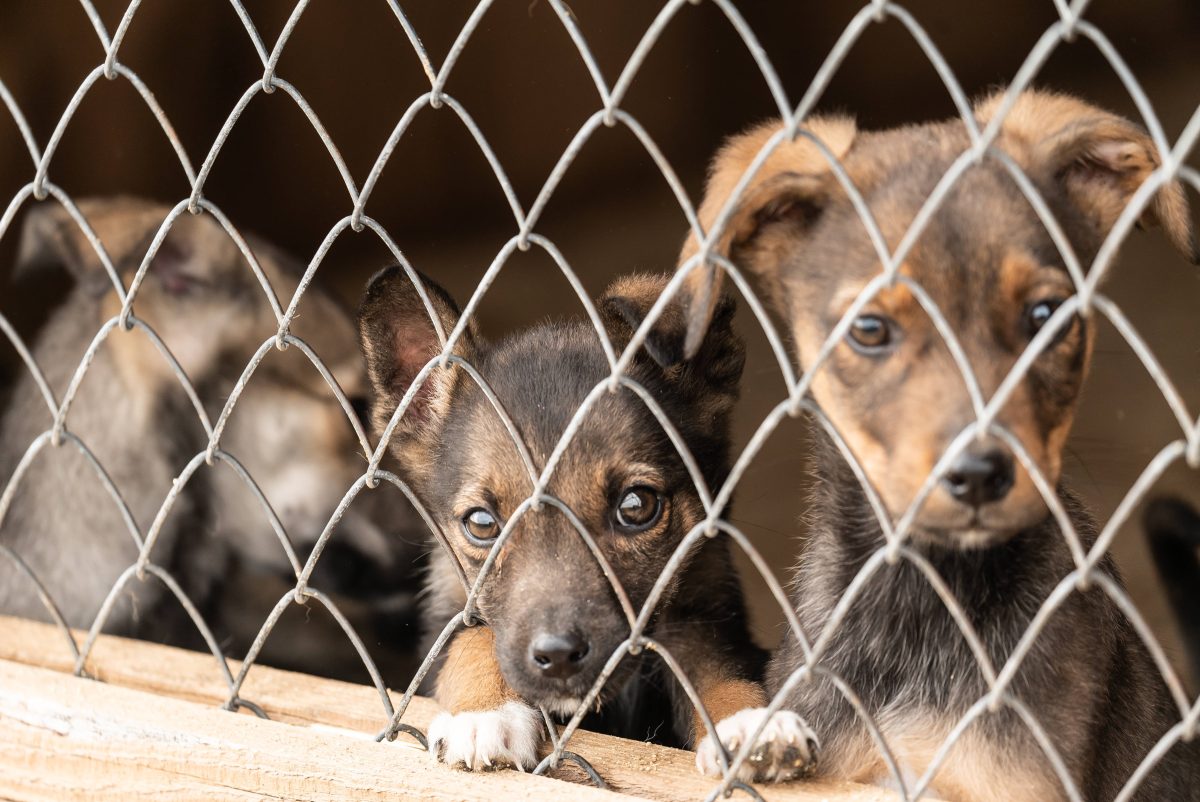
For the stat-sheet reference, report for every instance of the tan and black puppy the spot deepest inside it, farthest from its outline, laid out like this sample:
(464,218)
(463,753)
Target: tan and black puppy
(893,389)
(552,618)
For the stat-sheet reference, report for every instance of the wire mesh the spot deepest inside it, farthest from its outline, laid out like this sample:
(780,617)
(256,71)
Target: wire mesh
(1088,299)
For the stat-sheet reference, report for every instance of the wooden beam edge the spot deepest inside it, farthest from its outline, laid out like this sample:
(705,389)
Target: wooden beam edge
(642,770)
(67,737)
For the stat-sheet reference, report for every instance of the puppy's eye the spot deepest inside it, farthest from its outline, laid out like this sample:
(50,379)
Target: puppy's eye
(1038,314)
(870,334)
(638,509)
(480,527)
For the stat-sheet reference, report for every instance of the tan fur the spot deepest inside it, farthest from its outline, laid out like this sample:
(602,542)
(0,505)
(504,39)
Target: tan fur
(1044,127)
(799,156)
(973,771)
(722,698)
(901,402)
(470,678)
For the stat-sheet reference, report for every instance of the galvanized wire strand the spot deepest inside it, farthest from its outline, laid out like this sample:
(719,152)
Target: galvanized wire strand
(894,544)
(28,191)
(14,111)
(135,572)
(807,672)
(415,41)
(219,456)
(1150,362)
(27,360)
(40,176)
(65,437)
(452,626)
(43,594)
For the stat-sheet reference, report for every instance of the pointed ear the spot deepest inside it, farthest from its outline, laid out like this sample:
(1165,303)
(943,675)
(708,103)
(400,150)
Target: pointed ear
(50,238)
(398,338)
(791,187)
(715,368)
(1098,158)
(195,254)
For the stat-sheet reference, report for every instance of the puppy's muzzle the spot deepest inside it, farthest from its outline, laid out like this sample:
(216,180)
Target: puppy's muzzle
(980,476)
(558,655)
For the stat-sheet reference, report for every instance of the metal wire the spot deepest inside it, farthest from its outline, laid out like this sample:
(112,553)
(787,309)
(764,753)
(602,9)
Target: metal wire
(1086,300)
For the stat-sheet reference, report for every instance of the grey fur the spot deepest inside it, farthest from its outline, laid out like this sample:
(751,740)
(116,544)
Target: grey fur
(130,411)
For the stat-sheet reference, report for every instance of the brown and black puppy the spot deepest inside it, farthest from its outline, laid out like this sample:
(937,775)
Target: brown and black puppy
(552,618)
(893,390)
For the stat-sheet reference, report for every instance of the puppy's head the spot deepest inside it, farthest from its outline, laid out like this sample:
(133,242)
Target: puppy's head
(209,309)
(891,386)
(555,615)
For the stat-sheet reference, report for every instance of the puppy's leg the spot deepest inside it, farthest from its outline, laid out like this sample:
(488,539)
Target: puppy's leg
(486,725)
(786,747)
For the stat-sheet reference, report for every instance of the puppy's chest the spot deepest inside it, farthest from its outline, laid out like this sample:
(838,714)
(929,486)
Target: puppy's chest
(917,674)
(974,768)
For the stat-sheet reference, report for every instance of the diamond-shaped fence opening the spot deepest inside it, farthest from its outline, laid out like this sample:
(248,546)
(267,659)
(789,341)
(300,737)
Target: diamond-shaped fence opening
(167,541)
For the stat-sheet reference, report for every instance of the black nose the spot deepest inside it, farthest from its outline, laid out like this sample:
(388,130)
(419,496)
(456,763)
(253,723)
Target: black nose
(977,478)
(558,655)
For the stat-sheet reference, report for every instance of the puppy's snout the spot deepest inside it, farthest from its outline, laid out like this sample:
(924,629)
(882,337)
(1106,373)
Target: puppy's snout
(979,477)
(558,655)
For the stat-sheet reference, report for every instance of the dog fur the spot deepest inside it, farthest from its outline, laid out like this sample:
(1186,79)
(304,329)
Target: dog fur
(546,583)
(293,438)
(894,392)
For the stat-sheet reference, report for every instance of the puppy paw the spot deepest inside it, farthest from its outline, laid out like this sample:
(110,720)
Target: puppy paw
(488,739)
(785,749)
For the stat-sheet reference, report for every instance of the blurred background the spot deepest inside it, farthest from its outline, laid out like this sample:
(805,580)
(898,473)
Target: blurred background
(524,83)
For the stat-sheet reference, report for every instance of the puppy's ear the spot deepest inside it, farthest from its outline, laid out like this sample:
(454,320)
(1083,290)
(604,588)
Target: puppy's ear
(195,254)
(712,371)
(51,238)
(790,188)
(398,338)
(1098,158)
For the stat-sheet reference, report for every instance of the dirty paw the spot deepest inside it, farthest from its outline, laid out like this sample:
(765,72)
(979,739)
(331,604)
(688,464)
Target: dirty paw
(785,749)
(489,739)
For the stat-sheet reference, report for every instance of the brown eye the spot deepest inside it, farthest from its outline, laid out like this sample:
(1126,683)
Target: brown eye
(480,527)
(639,509)
(870,334)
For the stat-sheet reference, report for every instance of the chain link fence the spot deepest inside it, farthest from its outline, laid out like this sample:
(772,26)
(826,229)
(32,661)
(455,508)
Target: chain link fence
(1070,25)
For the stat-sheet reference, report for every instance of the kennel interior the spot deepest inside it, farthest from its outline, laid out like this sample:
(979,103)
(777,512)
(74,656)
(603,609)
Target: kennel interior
(274,115)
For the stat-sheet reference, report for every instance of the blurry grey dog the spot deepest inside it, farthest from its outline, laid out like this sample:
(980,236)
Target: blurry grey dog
(131,413)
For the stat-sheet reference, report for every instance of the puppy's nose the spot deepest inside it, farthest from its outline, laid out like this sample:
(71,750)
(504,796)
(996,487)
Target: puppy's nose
(558,655)
(977,478)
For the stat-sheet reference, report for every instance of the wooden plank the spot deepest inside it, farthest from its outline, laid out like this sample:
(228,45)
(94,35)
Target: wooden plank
(62,737)
(638,769)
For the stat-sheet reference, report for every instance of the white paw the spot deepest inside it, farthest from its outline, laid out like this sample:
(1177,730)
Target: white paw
(488,739)
(785,749)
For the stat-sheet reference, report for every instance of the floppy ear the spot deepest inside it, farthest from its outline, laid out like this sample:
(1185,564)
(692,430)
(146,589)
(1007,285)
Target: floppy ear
(711,373)
(1098,158)
(398,339)
(791,187)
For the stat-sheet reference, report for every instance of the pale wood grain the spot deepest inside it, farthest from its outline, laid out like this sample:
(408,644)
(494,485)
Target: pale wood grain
(642,770)
(68,738)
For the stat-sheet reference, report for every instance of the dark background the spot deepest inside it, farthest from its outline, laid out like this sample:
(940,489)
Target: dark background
(524,83)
